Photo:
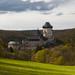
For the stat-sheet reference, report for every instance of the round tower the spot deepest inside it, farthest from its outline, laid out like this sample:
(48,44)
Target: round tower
(47,31)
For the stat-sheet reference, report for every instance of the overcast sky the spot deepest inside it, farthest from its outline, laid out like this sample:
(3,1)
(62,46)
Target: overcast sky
(32,14)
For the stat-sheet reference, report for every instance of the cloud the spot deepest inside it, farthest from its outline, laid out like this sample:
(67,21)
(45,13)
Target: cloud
(32,5)
(59,14)
(3,12)
(73,13)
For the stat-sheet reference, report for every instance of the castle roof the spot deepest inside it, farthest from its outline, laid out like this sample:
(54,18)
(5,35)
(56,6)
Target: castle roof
(35,35)
(47,25)
(13,42)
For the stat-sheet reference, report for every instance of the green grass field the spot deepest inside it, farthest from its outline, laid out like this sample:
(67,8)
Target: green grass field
(17,67)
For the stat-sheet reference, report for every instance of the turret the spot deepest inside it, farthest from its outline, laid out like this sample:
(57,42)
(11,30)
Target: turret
(47,31)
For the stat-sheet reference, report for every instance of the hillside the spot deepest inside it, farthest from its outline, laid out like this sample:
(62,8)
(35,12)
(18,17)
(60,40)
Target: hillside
(63,35)
(16,67)
(63,53)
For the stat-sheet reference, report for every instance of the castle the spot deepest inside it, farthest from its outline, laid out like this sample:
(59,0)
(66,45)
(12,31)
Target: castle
(35,38)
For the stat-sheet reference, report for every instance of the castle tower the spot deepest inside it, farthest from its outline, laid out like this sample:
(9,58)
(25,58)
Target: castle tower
(47,31)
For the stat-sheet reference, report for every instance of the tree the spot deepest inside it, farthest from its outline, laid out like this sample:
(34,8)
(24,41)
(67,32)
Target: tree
(40,56)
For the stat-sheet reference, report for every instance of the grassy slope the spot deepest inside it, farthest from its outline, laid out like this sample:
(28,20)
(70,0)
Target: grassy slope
(16,67)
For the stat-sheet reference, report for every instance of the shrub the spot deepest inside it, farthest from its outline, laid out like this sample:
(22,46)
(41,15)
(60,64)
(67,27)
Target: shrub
(40,56)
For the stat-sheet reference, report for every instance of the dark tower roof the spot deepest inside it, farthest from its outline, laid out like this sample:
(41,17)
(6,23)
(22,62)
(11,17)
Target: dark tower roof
(47,25)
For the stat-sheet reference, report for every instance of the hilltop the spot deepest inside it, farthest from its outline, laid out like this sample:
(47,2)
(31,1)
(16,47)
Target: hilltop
(63,35)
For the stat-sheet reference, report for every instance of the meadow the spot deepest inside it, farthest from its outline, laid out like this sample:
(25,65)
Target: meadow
(18,67)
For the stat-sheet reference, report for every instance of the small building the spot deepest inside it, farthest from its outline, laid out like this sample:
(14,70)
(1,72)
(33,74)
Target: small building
(13,45)
(35,39)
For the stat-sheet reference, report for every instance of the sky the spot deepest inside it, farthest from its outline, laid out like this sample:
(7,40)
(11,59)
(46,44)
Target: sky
(32,14)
